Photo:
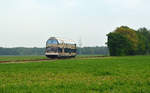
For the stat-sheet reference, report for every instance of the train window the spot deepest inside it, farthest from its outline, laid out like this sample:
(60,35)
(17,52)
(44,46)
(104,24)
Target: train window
(74,50)
(60,50)
(68,50)
(52,42)
(51,49)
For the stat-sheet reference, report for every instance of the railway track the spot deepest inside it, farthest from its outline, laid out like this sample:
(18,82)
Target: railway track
(39,60)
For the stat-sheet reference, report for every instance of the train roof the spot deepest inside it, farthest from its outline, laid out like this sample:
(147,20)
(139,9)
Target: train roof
(60,40)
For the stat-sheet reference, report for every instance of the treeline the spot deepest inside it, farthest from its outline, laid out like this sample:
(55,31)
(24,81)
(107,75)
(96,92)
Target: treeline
(127,41)
(22,51)
(93,51)
(41,51)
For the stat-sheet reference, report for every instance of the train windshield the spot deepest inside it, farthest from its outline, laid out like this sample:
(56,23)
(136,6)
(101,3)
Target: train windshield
(52,42)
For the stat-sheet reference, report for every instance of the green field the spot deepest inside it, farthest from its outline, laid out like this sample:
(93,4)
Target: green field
(20,58)
(79,75)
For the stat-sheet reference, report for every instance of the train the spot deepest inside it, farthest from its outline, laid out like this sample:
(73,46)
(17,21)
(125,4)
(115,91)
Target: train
(60,48)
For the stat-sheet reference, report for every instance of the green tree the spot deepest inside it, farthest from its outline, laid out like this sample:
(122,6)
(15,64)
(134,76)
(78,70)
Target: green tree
(123,41)
(118,44)
(141,44)
(146,35)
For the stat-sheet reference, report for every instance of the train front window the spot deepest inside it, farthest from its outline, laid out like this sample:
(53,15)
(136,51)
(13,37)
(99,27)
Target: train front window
(51,49)
(52,42)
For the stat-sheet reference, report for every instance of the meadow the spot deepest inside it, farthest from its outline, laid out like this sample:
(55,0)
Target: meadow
(20,58)
(79,75)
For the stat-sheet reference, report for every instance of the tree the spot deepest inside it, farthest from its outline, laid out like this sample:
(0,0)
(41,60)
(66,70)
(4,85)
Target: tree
(141,44)
(118,44)
(146,36)
(123,41)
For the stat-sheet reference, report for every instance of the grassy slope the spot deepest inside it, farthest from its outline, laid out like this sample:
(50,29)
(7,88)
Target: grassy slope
(101,75)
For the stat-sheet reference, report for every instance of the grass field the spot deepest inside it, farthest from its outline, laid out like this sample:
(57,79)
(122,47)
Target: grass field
(17,58)
(21,58)
(88,75)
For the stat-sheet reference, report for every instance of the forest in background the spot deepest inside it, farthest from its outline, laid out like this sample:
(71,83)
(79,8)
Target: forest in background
(41,51)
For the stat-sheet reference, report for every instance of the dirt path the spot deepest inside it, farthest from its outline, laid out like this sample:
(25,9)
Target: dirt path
(41,60)
(23,61)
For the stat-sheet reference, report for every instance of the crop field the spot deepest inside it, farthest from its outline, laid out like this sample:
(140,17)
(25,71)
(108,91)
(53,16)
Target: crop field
(78,75)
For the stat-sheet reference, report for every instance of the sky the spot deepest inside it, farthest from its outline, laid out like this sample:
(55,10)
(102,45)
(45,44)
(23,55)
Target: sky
(29,23)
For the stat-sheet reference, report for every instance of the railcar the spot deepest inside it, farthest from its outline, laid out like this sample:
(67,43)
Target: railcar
(59,48)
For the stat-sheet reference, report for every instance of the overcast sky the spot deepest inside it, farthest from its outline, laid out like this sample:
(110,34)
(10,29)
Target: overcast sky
(29,23)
